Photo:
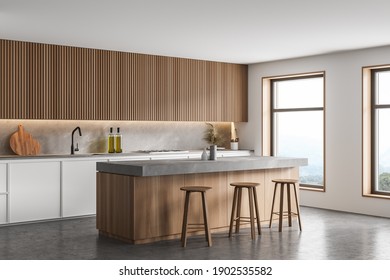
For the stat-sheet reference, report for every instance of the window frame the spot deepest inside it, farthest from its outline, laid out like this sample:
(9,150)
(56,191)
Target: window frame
(268,117)
(374,124)
(367,137)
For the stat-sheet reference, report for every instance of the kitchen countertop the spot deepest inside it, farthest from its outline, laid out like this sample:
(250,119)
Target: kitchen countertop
(71,156)
(192,166)
(135,154)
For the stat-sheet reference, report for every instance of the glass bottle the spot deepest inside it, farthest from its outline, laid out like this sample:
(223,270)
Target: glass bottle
(118,141)
(111,148)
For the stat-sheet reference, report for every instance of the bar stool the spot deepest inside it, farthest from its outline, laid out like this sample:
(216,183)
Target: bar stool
(236,208)
(288,183)
(195,189)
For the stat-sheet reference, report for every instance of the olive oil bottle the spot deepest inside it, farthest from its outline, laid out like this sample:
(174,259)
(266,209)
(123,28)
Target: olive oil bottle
(118,141)
(111,148)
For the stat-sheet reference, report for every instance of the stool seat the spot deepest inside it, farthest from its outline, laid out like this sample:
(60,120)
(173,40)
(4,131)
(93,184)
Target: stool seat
(244,184)
(195,189)
(236,208)
(286,181)
(289,184)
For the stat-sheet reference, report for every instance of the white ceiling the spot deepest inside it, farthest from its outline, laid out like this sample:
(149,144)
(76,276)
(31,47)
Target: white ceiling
(238,31)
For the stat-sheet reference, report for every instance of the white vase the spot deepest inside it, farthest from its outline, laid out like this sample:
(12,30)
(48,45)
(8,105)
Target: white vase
(234,145)
(204,155)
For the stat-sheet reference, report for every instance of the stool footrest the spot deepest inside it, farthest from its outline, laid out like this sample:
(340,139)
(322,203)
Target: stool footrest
(244,219)
(196,226)
(286,214)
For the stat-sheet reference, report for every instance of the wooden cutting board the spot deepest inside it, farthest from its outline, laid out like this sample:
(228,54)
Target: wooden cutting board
(23,144)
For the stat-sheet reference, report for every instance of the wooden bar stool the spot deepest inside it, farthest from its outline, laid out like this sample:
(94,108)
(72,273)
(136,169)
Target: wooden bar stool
(195,189)
(288,183)
(236,209)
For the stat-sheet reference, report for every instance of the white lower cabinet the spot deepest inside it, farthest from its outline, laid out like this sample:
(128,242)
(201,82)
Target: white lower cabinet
(3,193)
(78,188)
(3,178)
(3,209)
(34,192)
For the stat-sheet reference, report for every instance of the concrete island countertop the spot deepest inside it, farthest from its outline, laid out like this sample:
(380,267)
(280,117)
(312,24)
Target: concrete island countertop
(193,166)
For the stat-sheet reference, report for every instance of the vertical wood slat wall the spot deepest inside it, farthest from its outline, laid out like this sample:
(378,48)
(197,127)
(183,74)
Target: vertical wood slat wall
(40,81)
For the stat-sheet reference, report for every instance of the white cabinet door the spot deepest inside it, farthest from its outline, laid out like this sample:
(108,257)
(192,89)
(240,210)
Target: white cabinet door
(3,178)
(3,208)
(34,191)
(3,193)
(78,188)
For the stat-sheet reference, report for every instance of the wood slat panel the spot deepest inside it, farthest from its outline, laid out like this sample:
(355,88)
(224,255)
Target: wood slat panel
(217,199)
(40,81)
(119,220)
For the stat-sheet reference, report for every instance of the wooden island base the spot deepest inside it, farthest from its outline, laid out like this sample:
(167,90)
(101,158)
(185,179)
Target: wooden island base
(148,209)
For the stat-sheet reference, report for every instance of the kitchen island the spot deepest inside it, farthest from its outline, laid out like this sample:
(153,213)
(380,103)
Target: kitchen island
(141,201)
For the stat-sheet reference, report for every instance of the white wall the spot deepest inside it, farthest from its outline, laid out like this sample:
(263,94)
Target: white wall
(343,105)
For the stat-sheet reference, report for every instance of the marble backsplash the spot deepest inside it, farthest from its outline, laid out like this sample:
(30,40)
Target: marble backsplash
(55,135)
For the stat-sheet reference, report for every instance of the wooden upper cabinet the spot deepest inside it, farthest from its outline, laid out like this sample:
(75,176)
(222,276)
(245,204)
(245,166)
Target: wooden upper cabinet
(40,81)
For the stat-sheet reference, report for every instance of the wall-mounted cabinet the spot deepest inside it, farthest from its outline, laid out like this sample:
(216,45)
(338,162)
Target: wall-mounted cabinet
(40,81)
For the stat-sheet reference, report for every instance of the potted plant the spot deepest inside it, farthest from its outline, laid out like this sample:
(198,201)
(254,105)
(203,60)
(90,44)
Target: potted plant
(212,136)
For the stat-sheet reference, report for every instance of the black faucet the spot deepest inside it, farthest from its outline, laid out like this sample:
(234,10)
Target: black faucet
(72,149)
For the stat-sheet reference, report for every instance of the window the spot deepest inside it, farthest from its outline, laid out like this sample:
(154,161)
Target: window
(296,123)
(380,132)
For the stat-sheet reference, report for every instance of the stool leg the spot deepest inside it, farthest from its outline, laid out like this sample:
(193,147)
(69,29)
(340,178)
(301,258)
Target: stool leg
(238,215)
(251,214)
(205,220)
(185,220)
(288,190)
(298,212)
(257,211)
(233,211)
(273,204)
(281,207)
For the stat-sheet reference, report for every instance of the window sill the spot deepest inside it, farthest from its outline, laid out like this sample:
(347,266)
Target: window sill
(377,196)
(307,188)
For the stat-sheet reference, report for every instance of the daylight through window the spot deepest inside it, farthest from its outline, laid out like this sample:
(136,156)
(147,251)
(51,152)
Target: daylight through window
(297,124)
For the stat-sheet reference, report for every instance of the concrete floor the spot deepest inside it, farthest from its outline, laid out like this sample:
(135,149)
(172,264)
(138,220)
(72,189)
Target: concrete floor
(326,235)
